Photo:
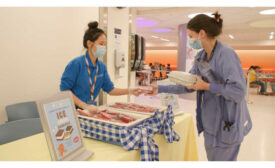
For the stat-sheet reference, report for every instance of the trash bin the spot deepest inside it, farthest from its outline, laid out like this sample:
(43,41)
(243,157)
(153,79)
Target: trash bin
(273,86)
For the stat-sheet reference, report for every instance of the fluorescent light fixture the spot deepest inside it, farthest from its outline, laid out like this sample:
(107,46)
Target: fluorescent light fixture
(268,12)
(271,37)
(195,14)
(161,30)
(164,39)
(155,36)
(231,36)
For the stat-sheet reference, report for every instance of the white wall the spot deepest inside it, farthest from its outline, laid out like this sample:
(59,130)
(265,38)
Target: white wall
(118,18)
(35,46)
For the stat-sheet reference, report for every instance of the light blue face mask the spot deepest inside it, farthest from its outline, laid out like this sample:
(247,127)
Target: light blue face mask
(195,45)
(100,51)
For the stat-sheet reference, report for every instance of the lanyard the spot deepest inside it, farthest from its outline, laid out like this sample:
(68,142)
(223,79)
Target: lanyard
(92,84)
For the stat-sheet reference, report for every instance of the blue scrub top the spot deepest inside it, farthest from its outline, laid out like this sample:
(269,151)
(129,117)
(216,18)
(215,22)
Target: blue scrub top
(76,78)
(223,102)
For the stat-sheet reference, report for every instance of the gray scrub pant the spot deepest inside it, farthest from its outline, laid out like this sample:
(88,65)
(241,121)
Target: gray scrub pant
(222,153)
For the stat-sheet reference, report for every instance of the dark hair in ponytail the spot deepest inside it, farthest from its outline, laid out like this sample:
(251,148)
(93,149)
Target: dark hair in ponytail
(92,33)
(212,26)
(251,67)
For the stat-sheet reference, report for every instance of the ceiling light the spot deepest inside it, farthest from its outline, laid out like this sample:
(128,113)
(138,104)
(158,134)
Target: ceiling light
(271,37)
(155,36)
(231,36)
(164,39)
(161,30)
(195,14)
(268,12)
(272,33)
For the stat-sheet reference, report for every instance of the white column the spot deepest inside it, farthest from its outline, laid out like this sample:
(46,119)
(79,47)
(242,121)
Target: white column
(182,47)
(118,18)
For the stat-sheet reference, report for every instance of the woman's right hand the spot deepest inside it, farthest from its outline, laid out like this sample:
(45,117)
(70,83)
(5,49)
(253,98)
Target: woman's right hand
(154,89)
(91,108)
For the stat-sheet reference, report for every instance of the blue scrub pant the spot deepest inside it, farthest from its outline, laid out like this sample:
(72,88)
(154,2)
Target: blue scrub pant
(222,153)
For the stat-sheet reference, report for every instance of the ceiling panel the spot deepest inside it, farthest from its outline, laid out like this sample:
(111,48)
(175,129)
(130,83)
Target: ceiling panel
(237,22)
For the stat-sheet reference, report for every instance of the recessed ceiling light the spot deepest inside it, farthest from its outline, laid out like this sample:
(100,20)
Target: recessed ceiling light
(231,36)
(155,36)
(195,14)
(268,12)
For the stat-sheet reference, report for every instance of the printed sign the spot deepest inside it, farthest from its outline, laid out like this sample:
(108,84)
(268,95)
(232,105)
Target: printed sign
(63,128)
(170,99)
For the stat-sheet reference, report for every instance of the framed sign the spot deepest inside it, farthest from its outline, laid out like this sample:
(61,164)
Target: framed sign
(61,127)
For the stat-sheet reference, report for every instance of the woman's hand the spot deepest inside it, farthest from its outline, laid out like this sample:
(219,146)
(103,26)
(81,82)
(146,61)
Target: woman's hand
(199,85)
(154,89)
(135,92)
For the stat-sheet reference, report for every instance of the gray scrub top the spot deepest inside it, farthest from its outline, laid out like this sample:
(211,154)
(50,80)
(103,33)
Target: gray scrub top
(225,101)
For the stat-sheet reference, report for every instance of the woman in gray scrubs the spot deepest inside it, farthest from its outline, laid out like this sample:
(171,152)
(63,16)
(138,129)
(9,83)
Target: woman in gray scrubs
(222,113)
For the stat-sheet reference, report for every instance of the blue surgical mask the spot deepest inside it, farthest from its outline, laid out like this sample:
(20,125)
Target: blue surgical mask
(100,51)
(195,45)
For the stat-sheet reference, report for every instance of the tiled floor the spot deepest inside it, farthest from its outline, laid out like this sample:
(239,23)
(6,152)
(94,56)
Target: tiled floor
(258,145)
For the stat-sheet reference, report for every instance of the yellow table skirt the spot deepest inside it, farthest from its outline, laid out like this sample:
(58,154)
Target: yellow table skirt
(34,148)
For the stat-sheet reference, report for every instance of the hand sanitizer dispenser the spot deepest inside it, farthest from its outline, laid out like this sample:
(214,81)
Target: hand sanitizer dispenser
(119,59)
(119,62)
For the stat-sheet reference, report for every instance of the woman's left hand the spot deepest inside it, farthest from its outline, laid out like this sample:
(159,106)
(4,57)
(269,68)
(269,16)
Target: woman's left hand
(199,85)
(135,91)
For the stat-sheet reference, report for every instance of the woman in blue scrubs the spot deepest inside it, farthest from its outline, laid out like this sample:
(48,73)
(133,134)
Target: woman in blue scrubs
(222,112)
(85,75)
